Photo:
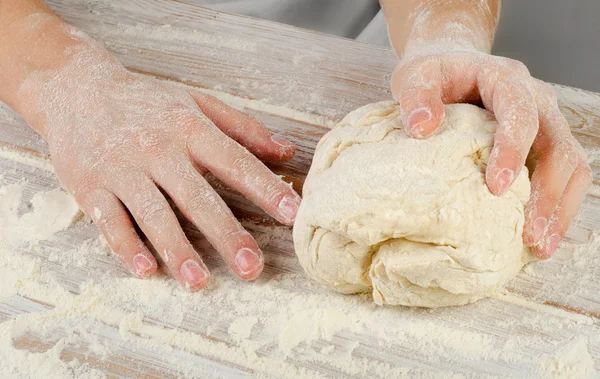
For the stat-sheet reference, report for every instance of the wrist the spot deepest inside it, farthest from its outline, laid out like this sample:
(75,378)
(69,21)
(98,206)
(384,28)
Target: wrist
(34,43)
(447,37)
(449,26)
(40,52)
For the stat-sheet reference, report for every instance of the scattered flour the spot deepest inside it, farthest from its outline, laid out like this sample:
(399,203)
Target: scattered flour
(82,255)
(283,327)
(573,361)
(241,329)
(309,326)
(51,212)
(261,105)
(271,328)
(170,33)
(27,159)
(182,39)
(17,363)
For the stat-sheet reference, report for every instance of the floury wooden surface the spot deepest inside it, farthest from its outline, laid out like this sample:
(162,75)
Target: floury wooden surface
(299,82)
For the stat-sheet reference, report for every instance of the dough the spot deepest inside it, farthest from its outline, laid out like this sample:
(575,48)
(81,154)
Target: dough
(410,220)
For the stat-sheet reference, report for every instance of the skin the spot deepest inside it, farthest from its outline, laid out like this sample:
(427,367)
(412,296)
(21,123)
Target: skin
(121,141)
(117,139)
(444,48)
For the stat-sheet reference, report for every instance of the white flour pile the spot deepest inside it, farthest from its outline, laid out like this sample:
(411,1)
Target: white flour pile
(86,312)
(51,212)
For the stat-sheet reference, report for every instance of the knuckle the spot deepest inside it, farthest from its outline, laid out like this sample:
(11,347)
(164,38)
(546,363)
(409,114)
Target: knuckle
(400,69)
(232,236)
(114,221)
(275,191)
(190,124)
(547,92)
(109,156)
(116,244)
(151,213)
(586,173)
(185,171)
(199,127)
(150,142)
(198,199)
(566,149)
(85,189)
(517,67)
(522,112)
(245,163)
(408,97)
(256,124)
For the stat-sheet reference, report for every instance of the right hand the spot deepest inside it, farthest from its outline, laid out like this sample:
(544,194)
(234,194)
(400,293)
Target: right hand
(117,139)
(530,124)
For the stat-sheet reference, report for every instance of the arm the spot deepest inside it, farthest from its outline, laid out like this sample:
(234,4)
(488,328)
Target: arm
(22,48)
(415,24)
(117,139)
(445,49)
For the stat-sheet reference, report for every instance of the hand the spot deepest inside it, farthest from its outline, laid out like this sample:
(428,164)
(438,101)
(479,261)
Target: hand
(529,120)
(117,139)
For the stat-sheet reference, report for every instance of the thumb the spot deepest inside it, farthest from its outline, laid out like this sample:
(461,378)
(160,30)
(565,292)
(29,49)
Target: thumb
(418,91)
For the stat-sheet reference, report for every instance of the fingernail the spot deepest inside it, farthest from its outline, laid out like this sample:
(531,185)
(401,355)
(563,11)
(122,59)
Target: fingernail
(552,244)
(282,142)
(288,207)
(192,273)
(416,120)
(504,179)
(539,226)
(247,261)
(142,264)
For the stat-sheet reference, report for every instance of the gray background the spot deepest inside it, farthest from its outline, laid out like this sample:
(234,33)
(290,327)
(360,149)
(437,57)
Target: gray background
(559,40)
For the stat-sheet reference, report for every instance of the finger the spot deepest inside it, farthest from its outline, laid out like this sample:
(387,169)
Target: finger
(201,204)
(508,91)
(238,168)
(108,214)
(417,88)
(567,209)
(558,154)
(245,129)
(159,223)
(548,182)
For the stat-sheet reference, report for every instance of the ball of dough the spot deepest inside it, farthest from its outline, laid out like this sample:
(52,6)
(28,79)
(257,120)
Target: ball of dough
(410,220)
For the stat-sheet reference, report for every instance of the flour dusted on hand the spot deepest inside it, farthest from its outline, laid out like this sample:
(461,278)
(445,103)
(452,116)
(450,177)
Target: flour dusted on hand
(410,220)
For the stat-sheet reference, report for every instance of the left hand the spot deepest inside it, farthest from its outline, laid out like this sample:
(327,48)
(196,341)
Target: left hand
(529,122)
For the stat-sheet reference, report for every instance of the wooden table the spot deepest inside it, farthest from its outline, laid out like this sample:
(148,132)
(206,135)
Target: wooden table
(298,82)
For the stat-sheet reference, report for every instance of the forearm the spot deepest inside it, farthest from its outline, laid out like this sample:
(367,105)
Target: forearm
(33,40)
(421,24)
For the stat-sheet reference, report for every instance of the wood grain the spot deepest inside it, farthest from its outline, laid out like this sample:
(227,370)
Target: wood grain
(325,78)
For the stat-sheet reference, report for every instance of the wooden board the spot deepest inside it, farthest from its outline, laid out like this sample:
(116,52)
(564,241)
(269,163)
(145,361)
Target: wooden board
(298,82)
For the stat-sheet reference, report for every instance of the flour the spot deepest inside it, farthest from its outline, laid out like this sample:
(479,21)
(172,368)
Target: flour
(572,361)
(52,212)
(241,329)
(77,300)
(183,39)
(309,326)
(26,159)
(23,364)
(272,328)
(170,33)
(262,105)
